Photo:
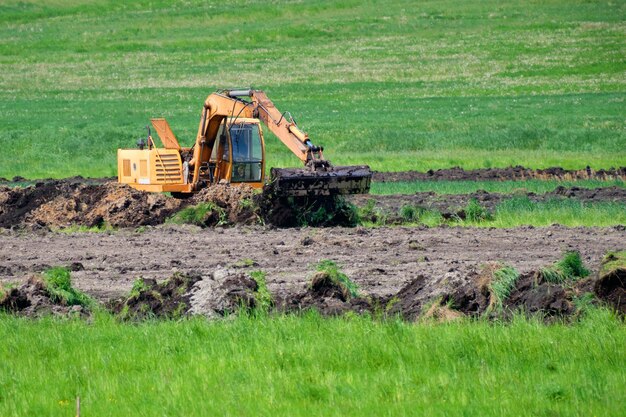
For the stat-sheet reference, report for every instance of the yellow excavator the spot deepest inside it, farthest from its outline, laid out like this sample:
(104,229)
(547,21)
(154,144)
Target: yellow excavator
(230,149)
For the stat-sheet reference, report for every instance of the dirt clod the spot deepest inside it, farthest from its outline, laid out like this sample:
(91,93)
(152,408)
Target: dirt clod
(152,299)
(32,299)
(611,283)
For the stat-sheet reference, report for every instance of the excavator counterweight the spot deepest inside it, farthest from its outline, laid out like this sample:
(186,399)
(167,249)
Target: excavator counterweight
(230,148)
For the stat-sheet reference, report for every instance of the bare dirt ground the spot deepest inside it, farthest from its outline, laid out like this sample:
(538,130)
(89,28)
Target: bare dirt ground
(379,260)
(188,269)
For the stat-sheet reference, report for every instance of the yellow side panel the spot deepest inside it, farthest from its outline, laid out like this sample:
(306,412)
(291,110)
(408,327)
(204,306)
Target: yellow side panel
(143,167)
(149,166)
(126,170)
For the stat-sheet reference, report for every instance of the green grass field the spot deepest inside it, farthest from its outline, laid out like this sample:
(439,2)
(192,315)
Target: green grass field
(299,366)
(397,84)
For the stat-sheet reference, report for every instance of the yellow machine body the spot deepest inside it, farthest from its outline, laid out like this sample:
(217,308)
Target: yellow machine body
(238,157)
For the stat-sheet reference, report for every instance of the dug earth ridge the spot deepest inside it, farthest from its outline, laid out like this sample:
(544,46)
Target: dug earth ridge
(380,260)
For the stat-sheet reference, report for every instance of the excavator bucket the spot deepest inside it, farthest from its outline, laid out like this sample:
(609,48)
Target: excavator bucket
(330,181)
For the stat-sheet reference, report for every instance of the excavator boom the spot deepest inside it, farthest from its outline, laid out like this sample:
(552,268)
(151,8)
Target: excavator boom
(319,176)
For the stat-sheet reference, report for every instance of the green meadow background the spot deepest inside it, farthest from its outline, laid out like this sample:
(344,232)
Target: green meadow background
(394,84)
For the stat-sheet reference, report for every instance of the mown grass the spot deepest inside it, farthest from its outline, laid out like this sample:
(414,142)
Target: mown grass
(302,366)
(468,187)
(409,85)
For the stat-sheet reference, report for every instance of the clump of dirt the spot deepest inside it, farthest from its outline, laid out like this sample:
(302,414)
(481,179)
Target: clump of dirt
(442,313)
(501,174)
(224,292)
(151,299)
(326,295)
(16,203)
(33,299)
(611,283)
(237,202)
(465,293)
(534,295)
(318,211)
(113,204)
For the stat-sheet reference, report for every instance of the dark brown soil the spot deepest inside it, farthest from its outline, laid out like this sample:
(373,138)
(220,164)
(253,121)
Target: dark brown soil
(611,288)
(325,296)
(149,299)
(399,270)
(62,203)
(501,174)
(31,299)
(533,295)
(59,204)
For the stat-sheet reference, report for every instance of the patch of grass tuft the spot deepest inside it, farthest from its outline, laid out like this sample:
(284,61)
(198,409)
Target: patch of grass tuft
(59,287)
(202,214)
(263,296)
(503,280)
(475,212)
(342,280)
(570,268)
(613,261)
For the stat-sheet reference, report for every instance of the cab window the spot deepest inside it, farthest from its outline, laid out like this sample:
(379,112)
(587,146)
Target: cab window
(247,152)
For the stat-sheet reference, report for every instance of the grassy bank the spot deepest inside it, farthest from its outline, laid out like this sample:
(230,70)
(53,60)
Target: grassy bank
(404,86)
(312,366)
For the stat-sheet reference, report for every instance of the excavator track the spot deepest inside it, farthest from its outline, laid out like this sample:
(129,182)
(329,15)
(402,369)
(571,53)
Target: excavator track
(338,180)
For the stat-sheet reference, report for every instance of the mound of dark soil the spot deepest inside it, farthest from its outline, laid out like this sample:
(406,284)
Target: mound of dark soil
(467,294)
(319,211)
(94,205)
(236,201)
(151,299)
(326,296)
(533,295)
(32,299)
(611,283)
(500,174)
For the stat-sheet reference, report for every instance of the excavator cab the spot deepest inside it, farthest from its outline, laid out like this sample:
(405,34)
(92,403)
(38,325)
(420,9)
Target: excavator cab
(239,153)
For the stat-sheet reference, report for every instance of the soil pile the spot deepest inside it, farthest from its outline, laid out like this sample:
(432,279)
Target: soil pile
(149,299)
(611,283)
(325,295)
(112,204)
(32,299)
(236,202)
(319,211)
(466,293)
(534,295)
(501,174)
